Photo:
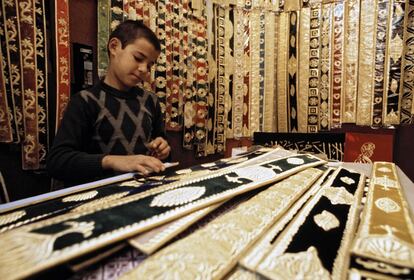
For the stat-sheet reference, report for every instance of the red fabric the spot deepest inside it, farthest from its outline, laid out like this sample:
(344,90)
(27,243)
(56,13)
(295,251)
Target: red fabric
(367,148)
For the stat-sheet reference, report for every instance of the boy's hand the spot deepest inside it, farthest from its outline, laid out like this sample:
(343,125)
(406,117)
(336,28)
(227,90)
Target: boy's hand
(133,163)
(159,148)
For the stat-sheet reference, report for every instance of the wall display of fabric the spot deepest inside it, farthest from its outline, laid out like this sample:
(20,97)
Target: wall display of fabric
(214,250)
(367,148)
(114,221)
(330,144)
(384,244)
(331,216)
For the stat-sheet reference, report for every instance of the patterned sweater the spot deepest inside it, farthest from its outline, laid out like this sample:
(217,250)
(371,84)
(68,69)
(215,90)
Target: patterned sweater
(101,121)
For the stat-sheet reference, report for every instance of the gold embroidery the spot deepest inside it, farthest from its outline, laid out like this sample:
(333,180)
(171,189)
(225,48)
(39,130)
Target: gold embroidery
(338,195)
(387,205)
(99,201)
(11,217)
(282,75)
(326,220)
(80,197)
(178,197)
(295,266)
(367,150)
(304,59)
(295,161)
(347,180)
(382,267)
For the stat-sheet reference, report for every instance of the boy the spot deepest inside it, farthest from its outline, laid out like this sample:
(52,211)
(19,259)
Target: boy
(111,127)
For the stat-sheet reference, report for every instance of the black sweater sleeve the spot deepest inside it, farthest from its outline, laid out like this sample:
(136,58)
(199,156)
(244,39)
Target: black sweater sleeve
(68,159)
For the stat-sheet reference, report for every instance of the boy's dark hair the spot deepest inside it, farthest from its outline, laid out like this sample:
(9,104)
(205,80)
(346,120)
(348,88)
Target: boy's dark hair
(130,30)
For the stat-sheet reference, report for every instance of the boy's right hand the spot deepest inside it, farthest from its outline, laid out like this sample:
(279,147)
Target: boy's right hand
(133,163)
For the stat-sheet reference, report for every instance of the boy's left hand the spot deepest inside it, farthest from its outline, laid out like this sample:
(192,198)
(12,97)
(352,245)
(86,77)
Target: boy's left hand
(159,148)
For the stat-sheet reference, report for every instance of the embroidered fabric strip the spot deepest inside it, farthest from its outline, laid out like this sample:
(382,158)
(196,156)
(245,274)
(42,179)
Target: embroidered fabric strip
(330,144)
(212,76)
(12,72)
(34,244)
(225,238)
(350,63)
(408,66)
(314,55)
(116,13)
(253,257)
(5,122)
(238,86)
(103,36)
(293,71)
(304,59)
(381,66)
(394,56)
(269,61)
(386,233)
(247,72)
(337,56)
(42,82)
(30,148)
(282,73)
(330,215)
(262,78)
(229,71)
(169,64)
(325,71)
(254,94)
(366,62)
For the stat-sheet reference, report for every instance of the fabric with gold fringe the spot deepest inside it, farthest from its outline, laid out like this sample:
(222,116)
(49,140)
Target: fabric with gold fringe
(229,71)
(384,243)
(350,61)
(406,114)
(292,87)
(262,77)
(254,94)
(366,61)
(238,85)
(225,238)
(304,60)
(247,71)
(395,46)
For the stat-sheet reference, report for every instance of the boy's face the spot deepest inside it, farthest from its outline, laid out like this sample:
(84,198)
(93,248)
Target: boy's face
(131,64)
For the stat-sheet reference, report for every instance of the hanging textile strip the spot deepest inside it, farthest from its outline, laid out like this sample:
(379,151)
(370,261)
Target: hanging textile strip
(247,72)
(254,94)
(381,65)
(169,64)
(262,77)
(212,75)
(188,89)
(292,89)
(366,61)
(238,86)
(332,214)
(394,56)
(109,223)
(220,120)
(407,99)
(6,134)
(42,82)
(146,13)
(303,71)
(30,145)
(103,36)
(350,63)
(385,240)
(326,63)
(150,18)
(62,59)
(174,101)
(282,75)
(229,70)
(11,44)
(139,9)
(337,58)
(161,66)
(182,58)
(152,240)
(269,87)
(254,256)
(202,95)
(116,14)
(214,250)
(314,62)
